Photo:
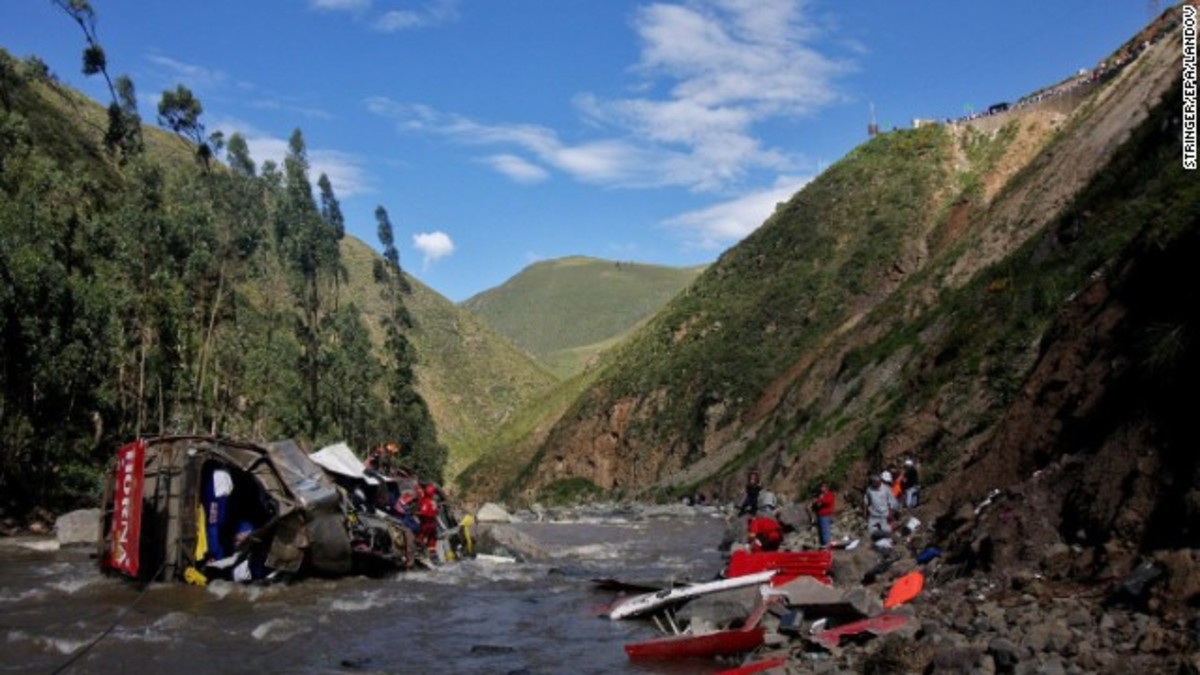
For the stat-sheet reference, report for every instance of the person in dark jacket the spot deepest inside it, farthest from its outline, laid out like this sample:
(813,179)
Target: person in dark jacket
(749,504)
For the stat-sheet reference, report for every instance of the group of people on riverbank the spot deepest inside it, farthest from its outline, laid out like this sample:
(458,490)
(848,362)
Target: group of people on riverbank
(889,493)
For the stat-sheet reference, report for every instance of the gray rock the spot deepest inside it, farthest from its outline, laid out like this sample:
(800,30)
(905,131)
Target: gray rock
(501,539)
(1052,666)
(492,513)
(1005,653)
(809,591)
(80,527)
(719,609)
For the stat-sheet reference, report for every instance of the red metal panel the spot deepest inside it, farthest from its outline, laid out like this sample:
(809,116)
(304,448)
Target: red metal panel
(789,564)
(127,508)
(693,646)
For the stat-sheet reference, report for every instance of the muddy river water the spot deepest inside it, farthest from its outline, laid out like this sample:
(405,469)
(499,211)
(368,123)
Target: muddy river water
(474,616)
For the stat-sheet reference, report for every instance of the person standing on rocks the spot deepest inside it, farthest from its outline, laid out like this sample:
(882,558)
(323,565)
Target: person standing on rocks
(912,484)
(750,500)
(879,506)
(822,508)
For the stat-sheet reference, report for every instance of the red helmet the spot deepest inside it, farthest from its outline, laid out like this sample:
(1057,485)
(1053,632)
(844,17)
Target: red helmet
(431,490)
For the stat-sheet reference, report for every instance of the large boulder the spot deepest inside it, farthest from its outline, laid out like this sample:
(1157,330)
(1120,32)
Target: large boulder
(505,539)
(80,527)
(492,513)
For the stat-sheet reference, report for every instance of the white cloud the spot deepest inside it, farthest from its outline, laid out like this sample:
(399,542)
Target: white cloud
(607,162)
(714,69)
(432,13)
(340,5)
(194,77)
(433,245)
(345,171)
(720,225)
(517,168)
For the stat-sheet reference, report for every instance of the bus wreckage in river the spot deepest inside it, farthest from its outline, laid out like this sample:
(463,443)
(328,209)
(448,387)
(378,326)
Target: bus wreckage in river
(194,508)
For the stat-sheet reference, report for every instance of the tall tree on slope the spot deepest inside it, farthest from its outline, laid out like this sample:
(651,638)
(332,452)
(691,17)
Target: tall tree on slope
(414,426)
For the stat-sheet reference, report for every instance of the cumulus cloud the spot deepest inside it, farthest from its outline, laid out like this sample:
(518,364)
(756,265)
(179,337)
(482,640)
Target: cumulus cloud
(432,13)
(607,161)
(716,227)
(712,70)
(340,5)
(433,245)
(517,168)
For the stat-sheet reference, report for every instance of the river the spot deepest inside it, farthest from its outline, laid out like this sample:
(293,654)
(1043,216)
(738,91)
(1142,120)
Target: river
(473,616)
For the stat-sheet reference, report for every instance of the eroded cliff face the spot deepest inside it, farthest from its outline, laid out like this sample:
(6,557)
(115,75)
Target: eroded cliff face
(900,375)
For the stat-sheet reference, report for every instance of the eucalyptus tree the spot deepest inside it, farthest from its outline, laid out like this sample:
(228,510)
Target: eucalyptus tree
(308,247)
(124,134)
(179,110)
(59,337)
(409,416)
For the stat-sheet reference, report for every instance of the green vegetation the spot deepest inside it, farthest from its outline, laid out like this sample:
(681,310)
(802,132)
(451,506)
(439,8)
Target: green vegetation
(1141,201)
(569,491)
(509,454)
(784,288)
(564,312)
(147,291)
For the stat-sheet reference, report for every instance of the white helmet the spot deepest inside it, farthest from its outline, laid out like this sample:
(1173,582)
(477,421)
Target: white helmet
(766,500)
(886,476)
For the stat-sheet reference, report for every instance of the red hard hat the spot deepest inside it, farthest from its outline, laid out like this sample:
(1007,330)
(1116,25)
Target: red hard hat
(431,489)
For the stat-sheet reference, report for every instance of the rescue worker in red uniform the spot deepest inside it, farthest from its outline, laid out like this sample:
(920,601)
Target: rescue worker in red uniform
(764,533)
(427,512)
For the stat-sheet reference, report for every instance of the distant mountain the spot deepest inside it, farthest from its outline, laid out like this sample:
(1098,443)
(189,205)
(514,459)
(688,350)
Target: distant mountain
(566,311)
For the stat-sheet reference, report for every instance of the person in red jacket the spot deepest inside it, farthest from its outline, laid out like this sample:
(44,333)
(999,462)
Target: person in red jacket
(427,512)
(822,508)
(764,532)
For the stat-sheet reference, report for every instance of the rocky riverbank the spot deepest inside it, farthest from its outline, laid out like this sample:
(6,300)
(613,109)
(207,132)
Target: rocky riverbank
(982,613)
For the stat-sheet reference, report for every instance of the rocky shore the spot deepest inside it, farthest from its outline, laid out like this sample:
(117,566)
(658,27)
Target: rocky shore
(981,611)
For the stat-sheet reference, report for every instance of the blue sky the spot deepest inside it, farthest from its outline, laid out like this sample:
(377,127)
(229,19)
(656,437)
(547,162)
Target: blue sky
(501,132)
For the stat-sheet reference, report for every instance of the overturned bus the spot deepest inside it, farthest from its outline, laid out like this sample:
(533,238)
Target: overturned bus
(189,507)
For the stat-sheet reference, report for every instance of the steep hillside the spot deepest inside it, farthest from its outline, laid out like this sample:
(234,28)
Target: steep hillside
(984,299)
(144,292)
(566,311)
(472,378)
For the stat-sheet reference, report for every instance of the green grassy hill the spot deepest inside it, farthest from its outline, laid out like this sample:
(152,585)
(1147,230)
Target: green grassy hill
(566,311)
(473,379)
